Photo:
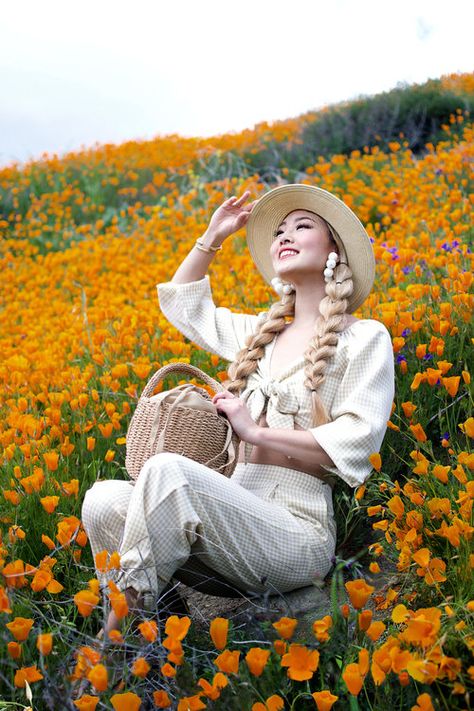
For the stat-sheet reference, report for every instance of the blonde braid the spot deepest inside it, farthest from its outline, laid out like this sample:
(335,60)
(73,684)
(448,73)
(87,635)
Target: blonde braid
(324,343)
(246,360)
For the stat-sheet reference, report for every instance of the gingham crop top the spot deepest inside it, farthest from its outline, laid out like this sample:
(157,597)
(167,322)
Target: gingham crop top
(358,389)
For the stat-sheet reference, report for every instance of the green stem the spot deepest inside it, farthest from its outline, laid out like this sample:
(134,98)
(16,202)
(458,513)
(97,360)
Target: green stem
(445,703)
(367,697)
(302,695)
(353,703)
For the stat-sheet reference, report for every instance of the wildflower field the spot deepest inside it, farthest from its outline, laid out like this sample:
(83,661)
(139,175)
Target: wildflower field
(84,241)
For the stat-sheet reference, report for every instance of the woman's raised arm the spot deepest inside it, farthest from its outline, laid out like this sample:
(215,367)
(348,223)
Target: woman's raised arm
(227,219)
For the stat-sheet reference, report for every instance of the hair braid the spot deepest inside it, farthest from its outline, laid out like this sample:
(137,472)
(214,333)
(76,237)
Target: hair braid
(246,361)
(324,343)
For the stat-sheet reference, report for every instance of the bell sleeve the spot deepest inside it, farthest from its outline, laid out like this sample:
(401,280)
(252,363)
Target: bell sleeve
(362,404)
(190,308)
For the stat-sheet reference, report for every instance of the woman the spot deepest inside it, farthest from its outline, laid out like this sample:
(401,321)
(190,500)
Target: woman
(309,398)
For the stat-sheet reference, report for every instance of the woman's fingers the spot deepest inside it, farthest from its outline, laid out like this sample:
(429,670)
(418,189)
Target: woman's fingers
(221,395)
(249,207)
(237,202)
(242,198)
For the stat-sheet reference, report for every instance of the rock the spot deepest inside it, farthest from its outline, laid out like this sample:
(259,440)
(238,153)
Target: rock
(254,611)
(249,613)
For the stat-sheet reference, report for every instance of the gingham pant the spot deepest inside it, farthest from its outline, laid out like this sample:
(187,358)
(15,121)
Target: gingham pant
(265,528)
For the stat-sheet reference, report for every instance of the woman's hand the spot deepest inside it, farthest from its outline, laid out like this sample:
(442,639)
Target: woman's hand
(230,217)
(238,415)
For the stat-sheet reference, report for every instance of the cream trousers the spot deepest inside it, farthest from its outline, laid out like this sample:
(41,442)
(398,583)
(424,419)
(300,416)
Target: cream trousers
(267,528)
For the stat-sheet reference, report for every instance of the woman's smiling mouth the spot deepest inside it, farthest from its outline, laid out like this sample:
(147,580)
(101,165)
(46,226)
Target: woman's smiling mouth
(287,253)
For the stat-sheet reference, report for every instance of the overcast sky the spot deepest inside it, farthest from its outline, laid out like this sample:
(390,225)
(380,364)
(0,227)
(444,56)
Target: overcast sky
(76,73)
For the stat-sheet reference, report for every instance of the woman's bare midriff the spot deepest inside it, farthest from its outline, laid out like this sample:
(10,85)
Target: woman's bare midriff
(263,455)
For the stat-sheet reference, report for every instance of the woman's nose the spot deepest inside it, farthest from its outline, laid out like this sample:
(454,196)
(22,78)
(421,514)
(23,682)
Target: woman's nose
(287,237)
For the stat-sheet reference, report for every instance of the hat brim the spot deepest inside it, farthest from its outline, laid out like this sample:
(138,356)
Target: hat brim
(274,206)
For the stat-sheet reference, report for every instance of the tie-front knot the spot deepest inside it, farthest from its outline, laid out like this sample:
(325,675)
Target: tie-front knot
(268,387)
(279,396)
(280,403)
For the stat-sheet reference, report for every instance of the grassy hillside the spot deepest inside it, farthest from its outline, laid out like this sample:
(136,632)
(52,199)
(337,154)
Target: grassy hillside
(84,241)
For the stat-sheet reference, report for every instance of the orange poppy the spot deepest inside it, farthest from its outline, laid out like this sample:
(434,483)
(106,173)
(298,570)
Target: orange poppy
(321,628)
(168,670)
(191,703)
(228,661)
(119,604)
(148,630)
(20,628)
(273,703)
(396,506)
(324,700)
(177,627)
(51,460)
(4,601)
(423,703)
(161,699)
(90,444)
(49,503)
(285,626)
(44,643)
(359,592)
(126,702)
(452,384)
(98,677)
(279,646)
(353,678)
(85,601)
(140,667)
(86,702)
(375,630)
(408,409)
(100,561)
(41,579)
(14,650)
(301,662)
(48,542)
(376,460)
(422,626)
(256,660)
(422,670)
(419,432)
(218,630)
(213,691)
(14,574)
(27,674)
(364,619)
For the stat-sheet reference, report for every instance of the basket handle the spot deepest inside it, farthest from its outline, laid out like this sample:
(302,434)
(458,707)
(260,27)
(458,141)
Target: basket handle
(186,368)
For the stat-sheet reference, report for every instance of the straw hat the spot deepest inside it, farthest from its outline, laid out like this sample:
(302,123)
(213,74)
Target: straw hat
(275,205)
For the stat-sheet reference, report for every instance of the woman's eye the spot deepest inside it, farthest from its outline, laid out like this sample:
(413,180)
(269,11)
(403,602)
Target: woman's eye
(303,224)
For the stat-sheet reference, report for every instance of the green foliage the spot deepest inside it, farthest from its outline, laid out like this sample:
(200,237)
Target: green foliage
(412,114)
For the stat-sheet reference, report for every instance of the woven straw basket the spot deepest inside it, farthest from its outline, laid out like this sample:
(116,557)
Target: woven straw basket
(182,420)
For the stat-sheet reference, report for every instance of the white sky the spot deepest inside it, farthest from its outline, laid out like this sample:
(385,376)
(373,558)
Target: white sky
(76,73)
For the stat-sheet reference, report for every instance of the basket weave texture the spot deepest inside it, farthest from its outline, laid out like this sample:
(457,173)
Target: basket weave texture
(182,420)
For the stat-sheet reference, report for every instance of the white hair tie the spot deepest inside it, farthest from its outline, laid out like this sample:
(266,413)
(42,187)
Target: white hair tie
(332,260)
(280,287)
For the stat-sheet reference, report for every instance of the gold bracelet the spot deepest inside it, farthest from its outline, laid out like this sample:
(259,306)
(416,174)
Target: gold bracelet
(209,250)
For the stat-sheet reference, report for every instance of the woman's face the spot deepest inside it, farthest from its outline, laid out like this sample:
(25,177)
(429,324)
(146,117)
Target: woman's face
(306,238)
